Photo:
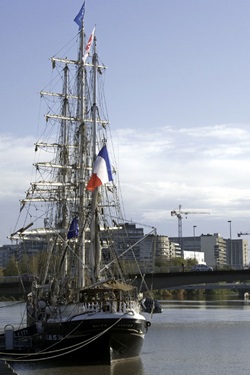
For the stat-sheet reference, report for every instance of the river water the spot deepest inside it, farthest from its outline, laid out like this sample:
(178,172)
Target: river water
(188,338)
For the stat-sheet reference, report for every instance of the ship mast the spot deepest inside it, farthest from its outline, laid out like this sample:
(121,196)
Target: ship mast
(95,248)
(61,183)
(82,161)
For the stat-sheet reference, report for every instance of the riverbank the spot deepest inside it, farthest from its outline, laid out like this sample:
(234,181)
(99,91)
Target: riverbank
(17,291)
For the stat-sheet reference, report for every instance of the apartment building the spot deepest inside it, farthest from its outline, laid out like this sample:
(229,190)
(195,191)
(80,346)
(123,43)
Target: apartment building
(133,244)
(237,253)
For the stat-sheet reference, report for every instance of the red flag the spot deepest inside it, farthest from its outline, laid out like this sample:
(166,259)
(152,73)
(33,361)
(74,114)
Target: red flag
(88,46)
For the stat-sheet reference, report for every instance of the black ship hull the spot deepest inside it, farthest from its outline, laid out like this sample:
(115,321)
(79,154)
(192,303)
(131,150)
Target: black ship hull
(90,341)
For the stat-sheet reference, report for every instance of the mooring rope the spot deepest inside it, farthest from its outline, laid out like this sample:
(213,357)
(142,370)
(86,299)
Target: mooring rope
(64,351)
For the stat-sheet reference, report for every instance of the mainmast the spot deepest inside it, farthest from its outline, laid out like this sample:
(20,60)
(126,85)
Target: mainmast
(74,134)
(95,248)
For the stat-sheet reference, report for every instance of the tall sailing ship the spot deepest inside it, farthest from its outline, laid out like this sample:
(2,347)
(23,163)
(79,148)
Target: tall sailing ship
(81,306)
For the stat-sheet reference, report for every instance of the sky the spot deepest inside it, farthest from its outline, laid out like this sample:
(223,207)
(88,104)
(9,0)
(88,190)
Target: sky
(178,97)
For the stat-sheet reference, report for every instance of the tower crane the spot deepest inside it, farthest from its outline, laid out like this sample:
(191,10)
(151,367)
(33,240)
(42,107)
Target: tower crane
(179,214)
(243,234)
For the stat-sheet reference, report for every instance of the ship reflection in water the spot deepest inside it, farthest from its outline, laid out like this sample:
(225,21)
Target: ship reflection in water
(124,367)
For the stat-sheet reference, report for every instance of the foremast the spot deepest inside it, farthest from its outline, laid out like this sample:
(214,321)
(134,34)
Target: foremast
(61,182)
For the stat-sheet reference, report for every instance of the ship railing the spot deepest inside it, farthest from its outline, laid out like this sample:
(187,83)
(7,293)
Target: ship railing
(109,306)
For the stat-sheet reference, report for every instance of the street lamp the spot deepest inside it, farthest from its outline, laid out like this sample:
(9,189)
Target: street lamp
(230,233)
(194,226)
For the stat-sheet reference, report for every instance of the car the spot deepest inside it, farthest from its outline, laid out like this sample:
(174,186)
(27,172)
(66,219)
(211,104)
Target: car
(201,267)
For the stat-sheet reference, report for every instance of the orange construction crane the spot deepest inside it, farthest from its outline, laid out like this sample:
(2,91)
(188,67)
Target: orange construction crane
(179,213)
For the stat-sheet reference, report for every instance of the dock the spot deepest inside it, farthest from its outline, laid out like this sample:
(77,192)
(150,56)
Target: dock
(5,369)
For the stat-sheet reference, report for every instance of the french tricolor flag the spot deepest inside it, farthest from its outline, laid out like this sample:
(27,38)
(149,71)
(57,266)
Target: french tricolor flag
(102,170)
(88,46)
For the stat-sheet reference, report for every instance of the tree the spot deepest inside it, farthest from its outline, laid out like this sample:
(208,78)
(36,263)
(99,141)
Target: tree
(12,267)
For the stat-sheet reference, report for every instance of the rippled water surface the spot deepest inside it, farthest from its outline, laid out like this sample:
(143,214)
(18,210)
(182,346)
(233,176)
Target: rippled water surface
(188,338)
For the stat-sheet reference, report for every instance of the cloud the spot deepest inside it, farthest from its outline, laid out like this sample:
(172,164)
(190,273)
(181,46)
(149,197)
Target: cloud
(201,168)
(16,155)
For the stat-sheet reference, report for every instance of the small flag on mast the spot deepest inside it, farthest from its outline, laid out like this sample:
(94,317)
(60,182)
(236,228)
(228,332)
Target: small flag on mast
(80,16)
(73,229)
(88,46)
(102,170)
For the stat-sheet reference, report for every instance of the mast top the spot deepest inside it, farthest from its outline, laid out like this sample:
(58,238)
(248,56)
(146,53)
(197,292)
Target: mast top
(80,16)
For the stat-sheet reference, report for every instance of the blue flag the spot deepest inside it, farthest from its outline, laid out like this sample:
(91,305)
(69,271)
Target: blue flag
(73,229)
(79,18)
